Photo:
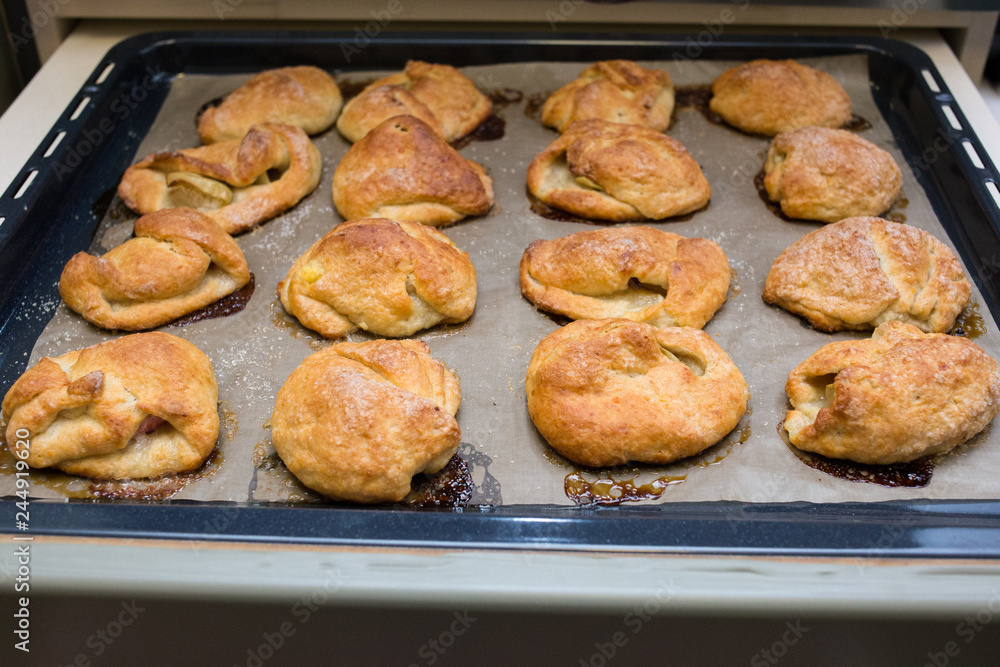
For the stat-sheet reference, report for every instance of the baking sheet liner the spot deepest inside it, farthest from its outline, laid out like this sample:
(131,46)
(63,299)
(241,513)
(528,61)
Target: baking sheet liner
(254,351)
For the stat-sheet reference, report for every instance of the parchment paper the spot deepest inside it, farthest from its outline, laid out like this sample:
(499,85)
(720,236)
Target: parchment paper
(254,351)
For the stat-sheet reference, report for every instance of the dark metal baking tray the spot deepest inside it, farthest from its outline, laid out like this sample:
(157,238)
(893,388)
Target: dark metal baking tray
(47,216)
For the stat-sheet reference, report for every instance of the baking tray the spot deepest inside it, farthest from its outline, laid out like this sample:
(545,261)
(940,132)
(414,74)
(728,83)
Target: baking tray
(49,214)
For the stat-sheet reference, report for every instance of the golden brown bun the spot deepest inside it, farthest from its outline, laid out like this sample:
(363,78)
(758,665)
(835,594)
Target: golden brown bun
(772,96)
(404,171)
(230,181)
(357,421)
(178,261)
(619,91)
(143,405)
(817,173)
(639,273)
(386,277)
(610,171)
(604,392)
(861,272)
(901,395)
(439,95)
(305,97)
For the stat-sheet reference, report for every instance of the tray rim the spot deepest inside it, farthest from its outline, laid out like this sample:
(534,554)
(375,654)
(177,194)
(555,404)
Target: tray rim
(985,511)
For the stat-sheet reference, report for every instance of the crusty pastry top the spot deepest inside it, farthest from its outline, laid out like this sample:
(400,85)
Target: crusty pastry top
(178,261)
(238,184)
(305,97)
(404,171)
(604,392)
(818,173)
(439,95)
(357,421)
(619,91)
(901,395)
(143,405)
(386,277)
(610,171)
(639,273)
(772,96)
(861,272)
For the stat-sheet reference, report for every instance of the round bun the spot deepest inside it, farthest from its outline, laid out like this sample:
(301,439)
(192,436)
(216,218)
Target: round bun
(404,171)
(639,273)
(861,272)
(386,277)
(357,421)
(605,392)
(305,97)
(610,171)
(818,173)
(772,96)
(439,95)
(619,91)
(899,396)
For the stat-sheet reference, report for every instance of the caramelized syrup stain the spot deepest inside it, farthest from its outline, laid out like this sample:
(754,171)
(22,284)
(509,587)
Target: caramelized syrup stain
(206,106)
(72,486)
(491,129)
(735,289)
(228,421)
(451,486)
(696,98)
(970,322)
(618,484)
(895,213)
(915,474)
(609,491)
(502,97)
(227,305)
(352,87)
(286,322)
(856,124)
(774,207)
(533,107)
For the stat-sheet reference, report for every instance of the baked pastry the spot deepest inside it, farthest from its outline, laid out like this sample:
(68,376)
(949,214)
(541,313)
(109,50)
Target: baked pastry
(238,184)
(619,91)
(818,173)
(610,171)
(305,96)
(178,261)
(605,392)
(139,406)
(385,277)
(861,272)
(639,273)
(404,171)
(357,421)
(772,96)
(439,95)
(899,396)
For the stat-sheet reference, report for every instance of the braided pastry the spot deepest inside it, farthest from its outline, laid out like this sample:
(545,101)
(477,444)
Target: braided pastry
(178,261)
